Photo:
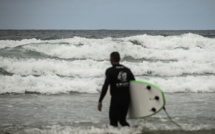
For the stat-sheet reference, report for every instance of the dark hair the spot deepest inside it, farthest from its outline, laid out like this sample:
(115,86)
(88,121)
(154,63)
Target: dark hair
(115,56)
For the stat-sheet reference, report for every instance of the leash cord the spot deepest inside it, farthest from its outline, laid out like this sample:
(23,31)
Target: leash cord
(171,118)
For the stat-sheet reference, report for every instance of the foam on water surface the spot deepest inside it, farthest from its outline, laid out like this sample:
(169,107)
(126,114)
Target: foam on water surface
(177,63)
(187,47)
(77,113)
(50,80)
(57,85)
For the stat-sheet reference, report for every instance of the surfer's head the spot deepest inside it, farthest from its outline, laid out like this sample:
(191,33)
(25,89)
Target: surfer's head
(114,58)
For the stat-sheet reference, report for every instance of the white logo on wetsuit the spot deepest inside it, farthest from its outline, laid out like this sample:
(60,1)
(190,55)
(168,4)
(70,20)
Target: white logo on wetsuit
(122,76)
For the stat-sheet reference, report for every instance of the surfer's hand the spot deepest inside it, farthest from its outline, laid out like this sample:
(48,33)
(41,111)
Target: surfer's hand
(100,106)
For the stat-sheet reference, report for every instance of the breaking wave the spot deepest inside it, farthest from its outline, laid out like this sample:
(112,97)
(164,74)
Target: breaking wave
(182,63)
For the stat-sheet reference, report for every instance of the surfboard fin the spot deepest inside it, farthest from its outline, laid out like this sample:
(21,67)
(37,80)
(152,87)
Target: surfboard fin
(153,109)
(148,87)
(157,98)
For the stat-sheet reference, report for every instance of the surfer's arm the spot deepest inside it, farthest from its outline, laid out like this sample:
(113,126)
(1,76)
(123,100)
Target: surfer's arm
(105,87)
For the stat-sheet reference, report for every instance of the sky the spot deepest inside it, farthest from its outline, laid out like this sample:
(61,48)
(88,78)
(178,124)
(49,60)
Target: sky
(108,14)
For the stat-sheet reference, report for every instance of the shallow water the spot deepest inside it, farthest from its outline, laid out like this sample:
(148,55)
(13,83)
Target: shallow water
(77,113)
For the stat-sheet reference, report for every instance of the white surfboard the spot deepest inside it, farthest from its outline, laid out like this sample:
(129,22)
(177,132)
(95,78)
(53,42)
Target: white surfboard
(146,99)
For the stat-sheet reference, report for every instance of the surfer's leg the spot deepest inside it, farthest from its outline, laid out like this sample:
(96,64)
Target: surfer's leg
(113,114)
(123,114)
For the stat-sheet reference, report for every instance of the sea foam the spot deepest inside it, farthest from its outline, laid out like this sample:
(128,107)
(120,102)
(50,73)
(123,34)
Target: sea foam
(92,68)
(180,63)
(57,85)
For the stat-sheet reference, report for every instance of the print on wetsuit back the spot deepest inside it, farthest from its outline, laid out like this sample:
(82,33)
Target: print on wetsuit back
(122,77)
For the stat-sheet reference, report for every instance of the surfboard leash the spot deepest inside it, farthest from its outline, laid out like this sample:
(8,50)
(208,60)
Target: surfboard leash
(171,119)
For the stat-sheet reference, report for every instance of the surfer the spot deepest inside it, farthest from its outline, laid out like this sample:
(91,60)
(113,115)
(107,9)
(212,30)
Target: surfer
(118,77)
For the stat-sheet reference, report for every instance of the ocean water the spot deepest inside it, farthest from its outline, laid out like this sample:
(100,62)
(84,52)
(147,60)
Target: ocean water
(50,80)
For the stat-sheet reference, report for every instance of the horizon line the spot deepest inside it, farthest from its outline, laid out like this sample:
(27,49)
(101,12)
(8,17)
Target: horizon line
(121,29)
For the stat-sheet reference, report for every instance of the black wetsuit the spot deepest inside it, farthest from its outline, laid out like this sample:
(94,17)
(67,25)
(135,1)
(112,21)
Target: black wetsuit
(118,77)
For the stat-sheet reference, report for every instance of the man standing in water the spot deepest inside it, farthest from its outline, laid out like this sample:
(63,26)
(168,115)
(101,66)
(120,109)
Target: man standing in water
(118,77)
